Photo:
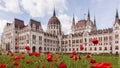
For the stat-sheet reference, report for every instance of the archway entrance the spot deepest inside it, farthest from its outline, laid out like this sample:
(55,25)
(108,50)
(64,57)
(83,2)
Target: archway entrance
(40,49)
(33,49)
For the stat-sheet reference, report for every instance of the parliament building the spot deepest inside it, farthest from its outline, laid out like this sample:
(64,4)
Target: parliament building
(54,40)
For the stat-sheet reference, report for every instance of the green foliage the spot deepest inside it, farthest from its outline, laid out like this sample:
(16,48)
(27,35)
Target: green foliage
(41,61)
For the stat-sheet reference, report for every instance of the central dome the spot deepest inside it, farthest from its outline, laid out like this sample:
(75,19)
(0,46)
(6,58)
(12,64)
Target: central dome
(54,20)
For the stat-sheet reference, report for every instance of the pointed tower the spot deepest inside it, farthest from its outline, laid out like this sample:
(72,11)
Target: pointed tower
(88,16)
(73,24)
(117,17)
(94,24)
(89,22)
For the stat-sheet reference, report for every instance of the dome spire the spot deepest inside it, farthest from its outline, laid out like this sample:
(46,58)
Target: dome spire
(117,15)
(54,14)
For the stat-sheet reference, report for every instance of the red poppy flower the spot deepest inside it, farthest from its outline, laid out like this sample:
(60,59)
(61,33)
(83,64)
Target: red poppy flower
(49,54)
(30,54)
(92,61)
(88,56)
(16,63)
(102,65)
(16,58)
(81,47)
(28,61)
(43,67)
(22,52)
(2,65)
(62,65)
(94,41)
(17,47)
(74,53)
(51,67)
(71,55)
(27,47)
(78,57)
(75,57)
(23,57)
(38,67)
(49,58)
(37,54)
(11,54)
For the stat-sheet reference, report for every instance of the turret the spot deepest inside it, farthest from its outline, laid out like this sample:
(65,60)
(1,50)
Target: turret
(73,25)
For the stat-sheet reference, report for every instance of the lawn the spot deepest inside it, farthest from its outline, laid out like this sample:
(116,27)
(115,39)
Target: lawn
(41,61)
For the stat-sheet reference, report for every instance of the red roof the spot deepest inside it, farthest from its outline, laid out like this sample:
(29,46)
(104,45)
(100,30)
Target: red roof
(81,23)
(54,20)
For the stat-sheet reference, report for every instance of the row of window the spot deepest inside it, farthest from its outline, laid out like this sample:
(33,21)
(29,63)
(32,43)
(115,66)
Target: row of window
(34,37)
(74,49)
(85,40)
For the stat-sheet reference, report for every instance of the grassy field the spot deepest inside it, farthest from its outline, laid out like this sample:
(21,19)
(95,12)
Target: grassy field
(38,62)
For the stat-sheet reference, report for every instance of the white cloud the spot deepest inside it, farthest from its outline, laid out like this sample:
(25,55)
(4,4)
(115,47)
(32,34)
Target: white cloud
(10,6)
(66,22)
(2,25)
(39,8)
(44,27)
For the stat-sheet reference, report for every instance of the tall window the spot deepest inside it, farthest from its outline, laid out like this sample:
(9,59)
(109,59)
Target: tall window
(40,38)
(116,47)
(116,36)
(34,37)
(105,48)
(100,48)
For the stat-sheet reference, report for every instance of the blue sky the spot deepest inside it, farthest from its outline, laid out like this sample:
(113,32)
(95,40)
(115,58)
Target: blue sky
(42,10)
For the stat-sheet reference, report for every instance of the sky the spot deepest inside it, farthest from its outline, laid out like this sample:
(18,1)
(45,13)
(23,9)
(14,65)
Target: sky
(41,10)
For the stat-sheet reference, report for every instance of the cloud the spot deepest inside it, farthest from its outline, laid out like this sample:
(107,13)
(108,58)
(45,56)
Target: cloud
(66,22)
(10,6)
(2,25)
(44,27)
(39,8)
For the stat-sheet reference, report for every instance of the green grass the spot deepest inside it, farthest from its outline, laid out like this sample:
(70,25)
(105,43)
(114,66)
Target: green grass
(40,61)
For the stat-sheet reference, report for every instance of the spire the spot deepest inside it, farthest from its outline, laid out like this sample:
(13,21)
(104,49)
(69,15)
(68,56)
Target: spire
(94,21)
(54,14)
(88,15)
(117,15)
(73,22)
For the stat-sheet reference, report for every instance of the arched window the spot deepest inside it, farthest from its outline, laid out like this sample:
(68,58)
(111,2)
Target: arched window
(95,48)
(116,47)
(100,48)
(105,48)
(33,49)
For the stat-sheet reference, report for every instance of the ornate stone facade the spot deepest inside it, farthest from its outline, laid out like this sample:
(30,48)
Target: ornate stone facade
(54,40)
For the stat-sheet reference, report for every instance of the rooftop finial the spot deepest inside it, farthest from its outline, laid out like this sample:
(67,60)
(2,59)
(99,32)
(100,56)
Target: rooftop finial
(54,14)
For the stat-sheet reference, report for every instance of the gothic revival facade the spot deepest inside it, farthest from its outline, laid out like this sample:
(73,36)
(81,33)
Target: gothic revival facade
(54,40)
